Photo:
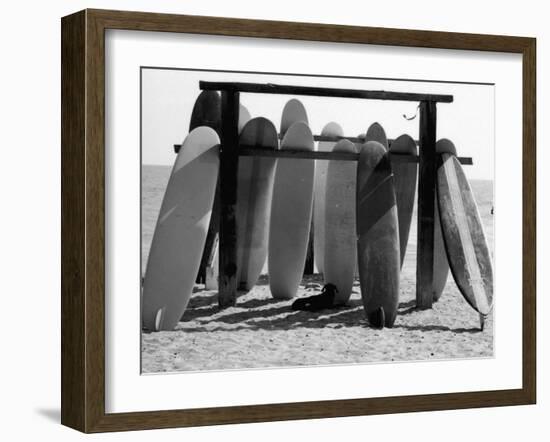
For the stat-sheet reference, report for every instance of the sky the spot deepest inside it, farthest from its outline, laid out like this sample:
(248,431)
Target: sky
(168,97)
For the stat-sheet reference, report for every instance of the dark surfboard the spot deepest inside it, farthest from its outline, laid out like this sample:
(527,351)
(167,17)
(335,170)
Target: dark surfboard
(378,235)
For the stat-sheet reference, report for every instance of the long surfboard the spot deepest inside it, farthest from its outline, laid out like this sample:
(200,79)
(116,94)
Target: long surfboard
(293,112)
(291,212)
(340,254)
(465,241)
(331,129)
(254,193)
(207,112)
(441,265)
(404,175)
(376,132)
(181,230)
(378,235)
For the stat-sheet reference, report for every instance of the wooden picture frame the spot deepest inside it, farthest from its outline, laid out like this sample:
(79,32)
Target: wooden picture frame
(83,220)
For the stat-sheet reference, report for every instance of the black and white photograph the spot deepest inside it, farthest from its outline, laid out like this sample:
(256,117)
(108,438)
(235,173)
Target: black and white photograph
(271,221)
(312,220)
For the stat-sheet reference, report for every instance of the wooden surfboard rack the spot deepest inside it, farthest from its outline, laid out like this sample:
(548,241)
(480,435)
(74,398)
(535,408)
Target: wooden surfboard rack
(251,151)
(230,152)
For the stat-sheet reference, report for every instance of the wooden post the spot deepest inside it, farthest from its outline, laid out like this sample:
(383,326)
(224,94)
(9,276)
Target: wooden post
(426,200)
(229,161)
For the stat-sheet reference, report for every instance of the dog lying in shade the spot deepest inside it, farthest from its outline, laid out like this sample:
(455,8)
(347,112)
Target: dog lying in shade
(317,302)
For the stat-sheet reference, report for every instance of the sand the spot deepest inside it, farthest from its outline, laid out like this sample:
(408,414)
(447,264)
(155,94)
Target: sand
(261,332)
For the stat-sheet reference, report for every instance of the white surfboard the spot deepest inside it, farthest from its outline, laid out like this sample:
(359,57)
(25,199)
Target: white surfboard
(291,212)
(254,192)
(244,117)
(180,232)
(212,272)
(404,175)
(331,129)
(293,112)
(340,254)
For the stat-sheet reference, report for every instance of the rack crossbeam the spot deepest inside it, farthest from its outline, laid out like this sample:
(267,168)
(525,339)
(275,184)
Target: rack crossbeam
(270,88)
(251,151)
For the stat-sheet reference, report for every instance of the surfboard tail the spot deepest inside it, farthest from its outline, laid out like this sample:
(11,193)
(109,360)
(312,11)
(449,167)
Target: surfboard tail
(159,319)
(377,318)
(482,321)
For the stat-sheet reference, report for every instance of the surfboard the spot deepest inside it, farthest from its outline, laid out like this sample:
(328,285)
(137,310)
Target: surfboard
(254,192)
(291,211)
(378,235)
(376,132)
(441,265)
(180,232)
(465,242)
(340,254)
(331,129)
(207,112)
(244,117)
(404,176)
(293,112)
(212,269)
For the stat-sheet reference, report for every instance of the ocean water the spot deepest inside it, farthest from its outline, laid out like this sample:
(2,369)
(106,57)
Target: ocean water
(155,179)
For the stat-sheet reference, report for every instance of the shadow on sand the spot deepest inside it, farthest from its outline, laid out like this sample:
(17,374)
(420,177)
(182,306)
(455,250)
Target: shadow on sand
(276,314)
(273,314)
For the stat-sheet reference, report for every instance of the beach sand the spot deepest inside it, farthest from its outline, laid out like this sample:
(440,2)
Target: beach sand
(261,332)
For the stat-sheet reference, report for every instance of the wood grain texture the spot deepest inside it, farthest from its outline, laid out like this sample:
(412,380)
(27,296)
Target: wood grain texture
(83,289)
(73,251)
(529,220)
